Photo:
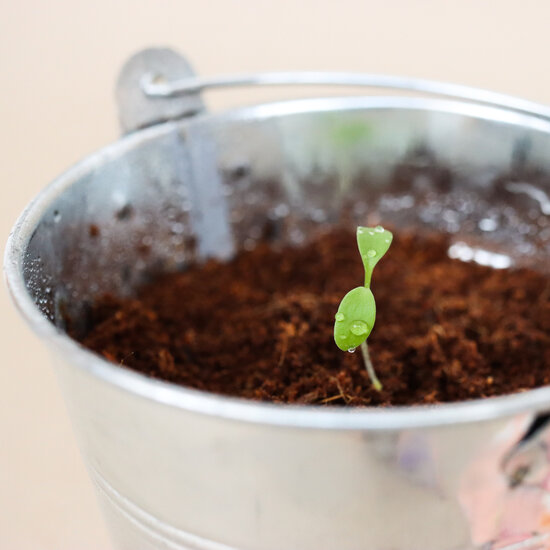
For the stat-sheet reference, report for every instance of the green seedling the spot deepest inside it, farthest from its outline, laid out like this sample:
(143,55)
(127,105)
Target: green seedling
(356,314)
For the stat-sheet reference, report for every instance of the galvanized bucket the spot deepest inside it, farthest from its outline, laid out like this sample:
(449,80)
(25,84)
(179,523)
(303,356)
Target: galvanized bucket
(181,469)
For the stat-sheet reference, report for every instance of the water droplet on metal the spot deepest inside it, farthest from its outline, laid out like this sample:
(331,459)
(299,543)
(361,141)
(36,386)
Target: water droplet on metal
(177,228)
(487,224)
(359,328)
(339,316)
(318,215)
(281,210)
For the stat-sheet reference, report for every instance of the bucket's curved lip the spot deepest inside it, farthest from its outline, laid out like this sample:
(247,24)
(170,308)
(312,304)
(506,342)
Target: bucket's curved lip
(369,418)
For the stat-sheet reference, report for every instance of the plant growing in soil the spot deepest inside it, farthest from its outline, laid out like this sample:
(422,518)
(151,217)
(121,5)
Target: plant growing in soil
(356,313)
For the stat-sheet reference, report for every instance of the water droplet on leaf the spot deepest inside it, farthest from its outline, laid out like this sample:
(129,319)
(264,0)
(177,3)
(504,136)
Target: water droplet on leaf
(339,316)
(371,253)
(359,328)
(379,229)
(351,350)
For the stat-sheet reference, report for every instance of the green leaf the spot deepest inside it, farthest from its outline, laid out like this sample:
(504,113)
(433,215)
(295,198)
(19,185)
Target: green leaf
(349,133)
(355,318)
(373,243)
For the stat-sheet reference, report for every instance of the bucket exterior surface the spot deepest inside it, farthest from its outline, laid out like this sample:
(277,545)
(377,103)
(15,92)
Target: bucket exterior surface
(194,479)
(180,469)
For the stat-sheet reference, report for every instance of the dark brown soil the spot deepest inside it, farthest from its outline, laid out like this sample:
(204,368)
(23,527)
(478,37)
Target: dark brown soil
(260,327)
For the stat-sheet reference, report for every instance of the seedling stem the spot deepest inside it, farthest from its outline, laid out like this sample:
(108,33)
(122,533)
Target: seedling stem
(376,384)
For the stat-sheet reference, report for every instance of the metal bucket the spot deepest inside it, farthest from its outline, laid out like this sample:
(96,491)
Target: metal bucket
(182,469)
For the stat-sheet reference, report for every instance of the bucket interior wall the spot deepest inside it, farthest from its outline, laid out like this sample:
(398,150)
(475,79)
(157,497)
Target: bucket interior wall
(163,198)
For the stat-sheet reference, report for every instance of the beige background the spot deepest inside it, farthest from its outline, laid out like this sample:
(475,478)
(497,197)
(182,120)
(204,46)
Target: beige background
(58,62)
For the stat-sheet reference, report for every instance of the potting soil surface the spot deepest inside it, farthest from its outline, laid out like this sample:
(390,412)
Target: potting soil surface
(261,326)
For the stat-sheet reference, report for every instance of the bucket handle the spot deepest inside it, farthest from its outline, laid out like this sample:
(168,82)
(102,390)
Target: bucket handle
(154,85)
